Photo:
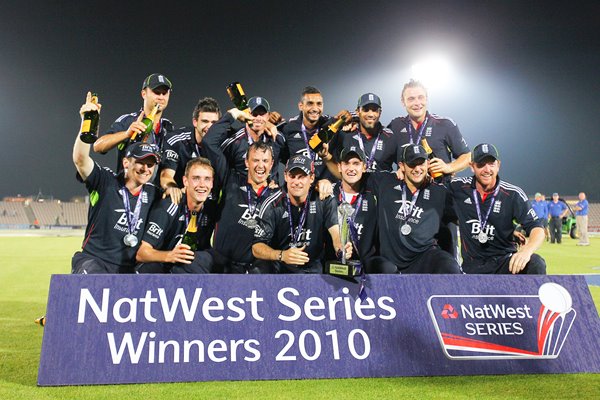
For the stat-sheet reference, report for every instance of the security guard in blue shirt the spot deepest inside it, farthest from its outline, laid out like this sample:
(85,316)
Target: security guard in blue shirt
(557,210)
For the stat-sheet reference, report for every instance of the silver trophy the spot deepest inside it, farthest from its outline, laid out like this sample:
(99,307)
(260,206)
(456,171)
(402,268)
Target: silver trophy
(345,211)
(344,268)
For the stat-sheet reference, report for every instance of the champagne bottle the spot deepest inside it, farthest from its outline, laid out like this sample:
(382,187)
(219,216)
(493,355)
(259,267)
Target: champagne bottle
(148,121)
(430,155)
(91,120)
(237,96)
(324,135)
(190,237)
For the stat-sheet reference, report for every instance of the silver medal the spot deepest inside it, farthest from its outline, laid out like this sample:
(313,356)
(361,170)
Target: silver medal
(482,237)
(130,240)
(251,223)
(405,229)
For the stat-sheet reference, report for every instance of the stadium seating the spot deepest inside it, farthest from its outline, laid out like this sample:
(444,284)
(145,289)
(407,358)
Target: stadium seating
(75,214)
(47,213)
(13,214)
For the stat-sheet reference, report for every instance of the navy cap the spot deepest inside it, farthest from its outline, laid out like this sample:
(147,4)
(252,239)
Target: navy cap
(301,162)
(348,152)
(483,151)
(139,151)
(412,153)
(368,98)
(156,80)
(255,102)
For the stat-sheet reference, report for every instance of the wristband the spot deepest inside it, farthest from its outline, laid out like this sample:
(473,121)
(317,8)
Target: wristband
(280,257)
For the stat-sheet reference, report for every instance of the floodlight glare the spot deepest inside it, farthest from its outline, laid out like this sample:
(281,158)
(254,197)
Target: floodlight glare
(434,71)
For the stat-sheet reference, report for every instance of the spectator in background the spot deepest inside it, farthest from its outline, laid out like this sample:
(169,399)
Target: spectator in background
(581,215)
(557,210)
(540,206)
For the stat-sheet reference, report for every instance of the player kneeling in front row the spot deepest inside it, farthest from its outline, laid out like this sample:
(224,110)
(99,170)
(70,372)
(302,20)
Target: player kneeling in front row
(119,206)
(177,237)
(291,230)
(486,207)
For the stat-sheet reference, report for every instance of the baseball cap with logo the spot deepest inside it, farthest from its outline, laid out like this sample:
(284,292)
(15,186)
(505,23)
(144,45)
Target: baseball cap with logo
(156,80)
(139,151)
(255,102)
(348,152)
(483,151)
(301,162)
(368,98)
(412,153)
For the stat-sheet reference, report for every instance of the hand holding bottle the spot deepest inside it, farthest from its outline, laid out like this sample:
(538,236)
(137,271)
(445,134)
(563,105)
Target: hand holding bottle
(181,254)
(136,127)
(240,115)
(148,123)
(345,114)
(90,119)
(89,105)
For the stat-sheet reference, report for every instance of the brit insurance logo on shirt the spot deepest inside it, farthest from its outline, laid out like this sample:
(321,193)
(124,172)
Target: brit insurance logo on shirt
(491,327)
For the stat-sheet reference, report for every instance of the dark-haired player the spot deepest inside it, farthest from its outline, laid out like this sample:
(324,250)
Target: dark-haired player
(224,137)
(299,130)
(184,144)
(379,144)
(243,196)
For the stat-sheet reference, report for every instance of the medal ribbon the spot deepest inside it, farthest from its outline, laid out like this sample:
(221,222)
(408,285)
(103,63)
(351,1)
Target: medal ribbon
(483,222)
(405,212)
(305,137)
(420,134)
(252,207)
(296,235)
(132,220)
(371,157)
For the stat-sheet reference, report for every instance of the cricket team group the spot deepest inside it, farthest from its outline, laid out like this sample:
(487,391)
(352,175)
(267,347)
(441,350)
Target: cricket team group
(247,191)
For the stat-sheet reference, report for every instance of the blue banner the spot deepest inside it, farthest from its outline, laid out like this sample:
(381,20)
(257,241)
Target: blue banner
(108,329)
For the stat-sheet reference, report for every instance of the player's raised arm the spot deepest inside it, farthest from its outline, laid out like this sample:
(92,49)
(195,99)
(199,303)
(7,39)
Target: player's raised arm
(81,151)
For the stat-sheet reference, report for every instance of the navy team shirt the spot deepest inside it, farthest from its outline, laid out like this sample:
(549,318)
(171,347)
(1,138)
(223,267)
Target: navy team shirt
(107,220)
(510,204)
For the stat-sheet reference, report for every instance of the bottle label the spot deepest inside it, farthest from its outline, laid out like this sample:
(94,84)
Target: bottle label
(315,141)
(239,88)
(86,125)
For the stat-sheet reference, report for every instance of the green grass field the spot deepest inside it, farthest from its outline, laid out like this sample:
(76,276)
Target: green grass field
(26,266)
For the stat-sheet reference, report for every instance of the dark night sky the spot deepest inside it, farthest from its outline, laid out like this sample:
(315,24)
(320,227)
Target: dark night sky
(527,74)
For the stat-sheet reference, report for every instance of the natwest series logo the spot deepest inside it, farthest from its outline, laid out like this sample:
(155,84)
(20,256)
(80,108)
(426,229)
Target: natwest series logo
(503,326)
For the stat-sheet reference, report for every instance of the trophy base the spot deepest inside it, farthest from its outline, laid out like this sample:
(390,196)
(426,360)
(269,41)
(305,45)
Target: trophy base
(349,270)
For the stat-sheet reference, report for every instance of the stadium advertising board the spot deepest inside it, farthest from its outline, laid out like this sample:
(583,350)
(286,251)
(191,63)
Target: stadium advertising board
(151,328)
